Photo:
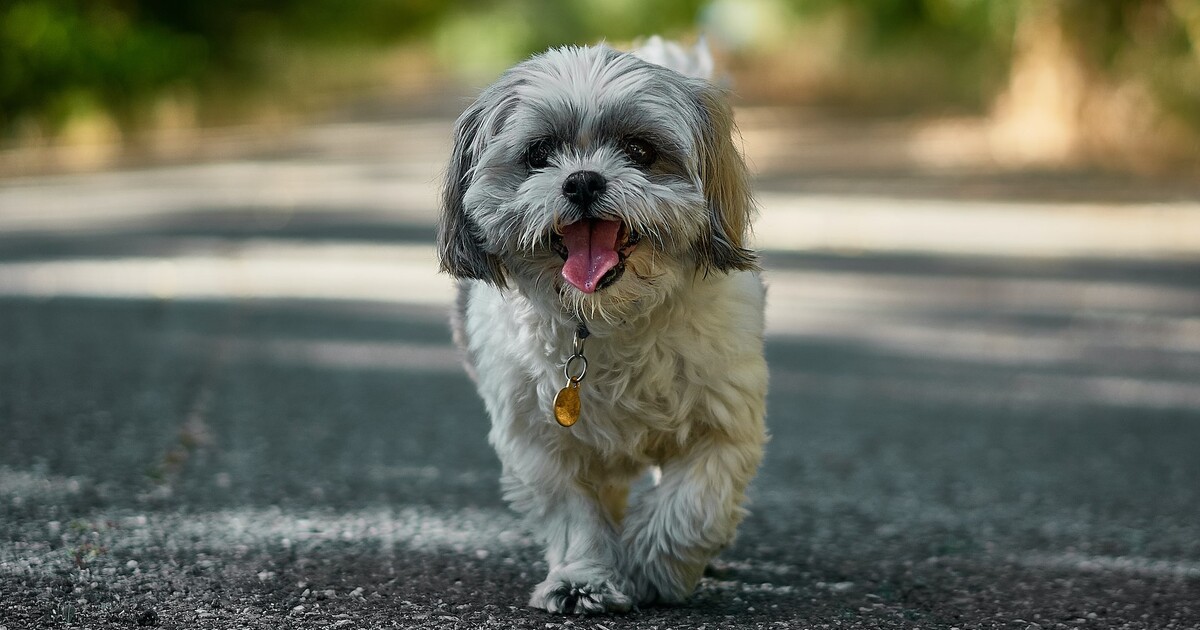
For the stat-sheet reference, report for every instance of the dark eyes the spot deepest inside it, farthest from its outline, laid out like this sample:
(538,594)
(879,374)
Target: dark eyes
(538,154)
(639,151)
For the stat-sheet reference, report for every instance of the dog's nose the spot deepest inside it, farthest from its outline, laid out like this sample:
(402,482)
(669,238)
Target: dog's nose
(584,187)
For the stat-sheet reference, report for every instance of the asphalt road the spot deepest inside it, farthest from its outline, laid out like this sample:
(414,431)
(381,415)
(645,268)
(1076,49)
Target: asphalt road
(228,400)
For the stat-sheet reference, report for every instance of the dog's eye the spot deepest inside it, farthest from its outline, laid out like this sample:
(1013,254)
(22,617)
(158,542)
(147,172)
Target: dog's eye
(538,154)
(639,151)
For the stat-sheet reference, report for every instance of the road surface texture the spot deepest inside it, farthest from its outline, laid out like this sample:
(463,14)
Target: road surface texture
(228,398)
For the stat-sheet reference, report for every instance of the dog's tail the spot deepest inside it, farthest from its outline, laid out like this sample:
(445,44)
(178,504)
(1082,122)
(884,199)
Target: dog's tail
(695,61)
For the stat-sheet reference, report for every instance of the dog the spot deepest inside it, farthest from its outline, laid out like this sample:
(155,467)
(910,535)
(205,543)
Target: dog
(596,213)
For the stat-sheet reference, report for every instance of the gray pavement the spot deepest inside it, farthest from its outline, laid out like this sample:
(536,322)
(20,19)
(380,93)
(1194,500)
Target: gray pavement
(228,400)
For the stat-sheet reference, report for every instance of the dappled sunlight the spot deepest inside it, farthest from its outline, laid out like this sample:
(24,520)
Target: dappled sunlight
(849,224)
(251,269)
(799,293)
(240,531)
(390,168)
(1133,566)
(462,531)
(980,340)
(230,395)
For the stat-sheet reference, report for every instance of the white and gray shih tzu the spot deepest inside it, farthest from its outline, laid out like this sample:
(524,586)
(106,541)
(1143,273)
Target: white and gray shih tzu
(596,212)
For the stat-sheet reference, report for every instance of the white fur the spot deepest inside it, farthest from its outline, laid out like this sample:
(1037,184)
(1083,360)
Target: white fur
(676,382)
(695,62)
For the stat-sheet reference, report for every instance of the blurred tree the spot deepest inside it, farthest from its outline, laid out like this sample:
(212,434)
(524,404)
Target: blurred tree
(1109,72)
(1110,79)
(490,35)
(900,55)
(65,57)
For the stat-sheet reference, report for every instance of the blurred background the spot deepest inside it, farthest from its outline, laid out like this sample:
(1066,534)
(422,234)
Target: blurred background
(1049,83)
(229,397)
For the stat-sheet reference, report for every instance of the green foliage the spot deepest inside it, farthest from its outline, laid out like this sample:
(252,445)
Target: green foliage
(922,52)
(1155,42)
(64,57)
(883,26)
(482,38)
(60,58)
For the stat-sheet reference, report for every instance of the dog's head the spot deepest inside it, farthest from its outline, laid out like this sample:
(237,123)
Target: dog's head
(596,179)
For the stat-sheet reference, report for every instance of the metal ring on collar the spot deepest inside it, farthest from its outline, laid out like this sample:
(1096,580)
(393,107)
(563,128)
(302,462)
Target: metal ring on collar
(575,360)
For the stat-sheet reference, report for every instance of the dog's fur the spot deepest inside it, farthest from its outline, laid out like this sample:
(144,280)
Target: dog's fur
(677,381)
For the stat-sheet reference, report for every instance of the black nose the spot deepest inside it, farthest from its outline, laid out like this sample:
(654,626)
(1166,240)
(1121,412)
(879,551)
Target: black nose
(584,187)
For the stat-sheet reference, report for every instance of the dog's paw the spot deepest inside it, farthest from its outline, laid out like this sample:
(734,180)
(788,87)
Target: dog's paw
(560,594)
(648,592)
(659,580)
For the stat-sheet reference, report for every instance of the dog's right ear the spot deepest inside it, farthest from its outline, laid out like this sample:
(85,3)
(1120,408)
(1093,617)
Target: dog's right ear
(460,249)
(726,188)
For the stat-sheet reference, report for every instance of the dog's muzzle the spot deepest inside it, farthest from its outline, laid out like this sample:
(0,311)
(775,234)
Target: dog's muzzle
(582,188)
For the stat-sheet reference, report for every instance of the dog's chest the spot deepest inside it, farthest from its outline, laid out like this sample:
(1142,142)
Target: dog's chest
(650,385)
(678,372)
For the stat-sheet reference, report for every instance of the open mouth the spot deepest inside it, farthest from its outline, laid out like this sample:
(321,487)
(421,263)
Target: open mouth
(594,252)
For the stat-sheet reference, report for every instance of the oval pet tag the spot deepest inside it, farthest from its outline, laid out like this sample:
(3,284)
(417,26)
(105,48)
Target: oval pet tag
(566,404)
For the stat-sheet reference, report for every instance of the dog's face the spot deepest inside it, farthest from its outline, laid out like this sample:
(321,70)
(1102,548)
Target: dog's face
(596,180)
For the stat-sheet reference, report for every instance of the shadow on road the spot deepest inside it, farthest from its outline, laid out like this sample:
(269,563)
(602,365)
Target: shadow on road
(956,441)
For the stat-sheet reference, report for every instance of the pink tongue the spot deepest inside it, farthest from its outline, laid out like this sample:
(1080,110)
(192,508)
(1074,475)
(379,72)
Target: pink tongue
(591,252)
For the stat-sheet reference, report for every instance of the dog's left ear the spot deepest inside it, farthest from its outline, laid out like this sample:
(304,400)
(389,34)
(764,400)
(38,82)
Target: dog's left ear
(460,249)
(726,188)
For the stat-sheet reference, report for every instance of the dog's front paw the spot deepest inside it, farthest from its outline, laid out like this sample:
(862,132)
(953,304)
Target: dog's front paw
(566,592)
(664,581)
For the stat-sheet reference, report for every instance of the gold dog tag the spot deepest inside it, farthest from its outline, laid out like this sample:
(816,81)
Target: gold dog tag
(566,404)
(566,401)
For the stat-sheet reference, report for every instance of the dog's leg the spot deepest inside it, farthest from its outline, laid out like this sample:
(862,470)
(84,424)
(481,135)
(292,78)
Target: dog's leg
(673,529)
(579,532)
(614,497)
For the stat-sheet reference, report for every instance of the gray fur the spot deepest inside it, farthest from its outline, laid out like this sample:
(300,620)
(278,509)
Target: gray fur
(693,202)
(678,378)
